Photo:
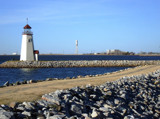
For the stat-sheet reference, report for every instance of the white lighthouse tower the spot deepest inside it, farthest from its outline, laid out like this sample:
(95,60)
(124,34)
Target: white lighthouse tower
(27,48)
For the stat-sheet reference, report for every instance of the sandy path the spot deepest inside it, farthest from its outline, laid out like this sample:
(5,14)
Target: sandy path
(34,91)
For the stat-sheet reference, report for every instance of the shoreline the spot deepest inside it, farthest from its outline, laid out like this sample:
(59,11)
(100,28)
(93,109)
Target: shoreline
(119,94)
(29,92)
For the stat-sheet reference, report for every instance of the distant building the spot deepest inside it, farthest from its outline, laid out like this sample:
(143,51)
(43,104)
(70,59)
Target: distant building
(118,52)
(114,52)
(14,53)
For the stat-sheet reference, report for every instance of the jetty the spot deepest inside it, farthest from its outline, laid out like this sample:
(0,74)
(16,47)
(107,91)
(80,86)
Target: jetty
(79,63)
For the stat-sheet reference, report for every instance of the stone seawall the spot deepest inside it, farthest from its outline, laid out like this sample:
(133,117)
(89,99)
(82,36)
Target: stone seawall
(82,63)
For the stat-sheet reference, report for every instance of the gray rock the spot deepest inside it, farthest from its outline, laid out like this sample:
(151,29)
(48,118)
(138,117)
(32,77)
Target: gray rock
(74,117)
(6,114)
(49,79)
(6,84)
(123,111)
(27,113)
(95,113)
(105,109)
(41,117)
(116,101)
(17,83)
(93,96)
(124,96)
(129,117)
(32,81)
(67,97)
(76,109)
(157,81)
(5,107)
(105,89)
(28,82)
(29,105)
(107,106)
(86,116)
(109,93)
(51,98)
(156,115)
(45,104)
(158,105)
(80,76)
(54,107)
(20,107)
(56,117)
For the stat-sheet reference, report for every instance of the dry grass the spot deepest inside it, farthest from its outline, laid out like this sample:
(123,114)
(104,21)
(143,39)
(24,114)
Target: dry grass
(32,92)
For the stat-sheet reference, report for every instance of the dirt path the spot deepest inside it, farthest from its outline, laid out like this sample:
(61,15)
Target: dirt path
(31,92)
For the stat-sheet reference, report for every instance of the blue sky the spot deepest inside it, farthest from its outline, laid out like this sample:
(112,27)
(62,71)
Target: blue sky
(98,25)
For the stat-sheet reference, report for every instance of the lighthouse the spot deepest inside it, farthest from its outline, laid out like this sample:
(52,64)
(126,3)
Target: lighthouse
(27,47)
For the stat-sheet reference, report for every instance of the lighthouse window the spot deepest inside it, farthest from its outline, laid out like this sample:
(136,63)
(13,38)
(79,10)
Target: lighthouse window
(29,40)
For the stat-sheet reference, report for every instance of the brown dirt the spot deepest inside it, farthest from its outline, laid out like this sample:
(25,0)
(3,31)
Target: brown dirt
(32,92)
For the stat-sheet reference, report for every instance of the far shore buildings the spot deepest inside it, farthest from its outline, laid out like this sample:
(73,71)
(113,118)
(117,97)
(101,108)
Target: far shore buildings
(27,48)
(114,52)
(118,52)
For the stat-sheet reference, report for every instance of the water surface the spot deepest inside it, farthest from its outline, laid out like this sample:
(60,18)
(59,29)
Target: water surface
(20,74)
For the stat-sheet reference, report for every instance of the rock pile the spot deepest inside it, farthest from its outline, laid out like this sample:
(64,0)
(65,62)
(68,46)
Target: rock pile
(7,83)
(128,98)
(83,63)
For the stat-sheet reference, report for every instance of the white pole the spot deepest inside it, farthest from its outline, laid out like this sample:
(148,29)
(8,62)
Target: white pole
(77,47)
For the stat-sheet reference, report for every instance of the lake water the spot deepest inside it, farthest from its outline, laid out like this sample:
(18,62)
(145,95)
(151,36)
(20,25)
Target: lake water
(20,74)
(82,57)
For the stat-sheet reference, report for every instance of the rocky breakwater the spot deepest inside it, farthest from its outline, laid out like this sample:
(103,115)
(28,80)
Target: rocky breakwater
(127,98)
(93,63)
